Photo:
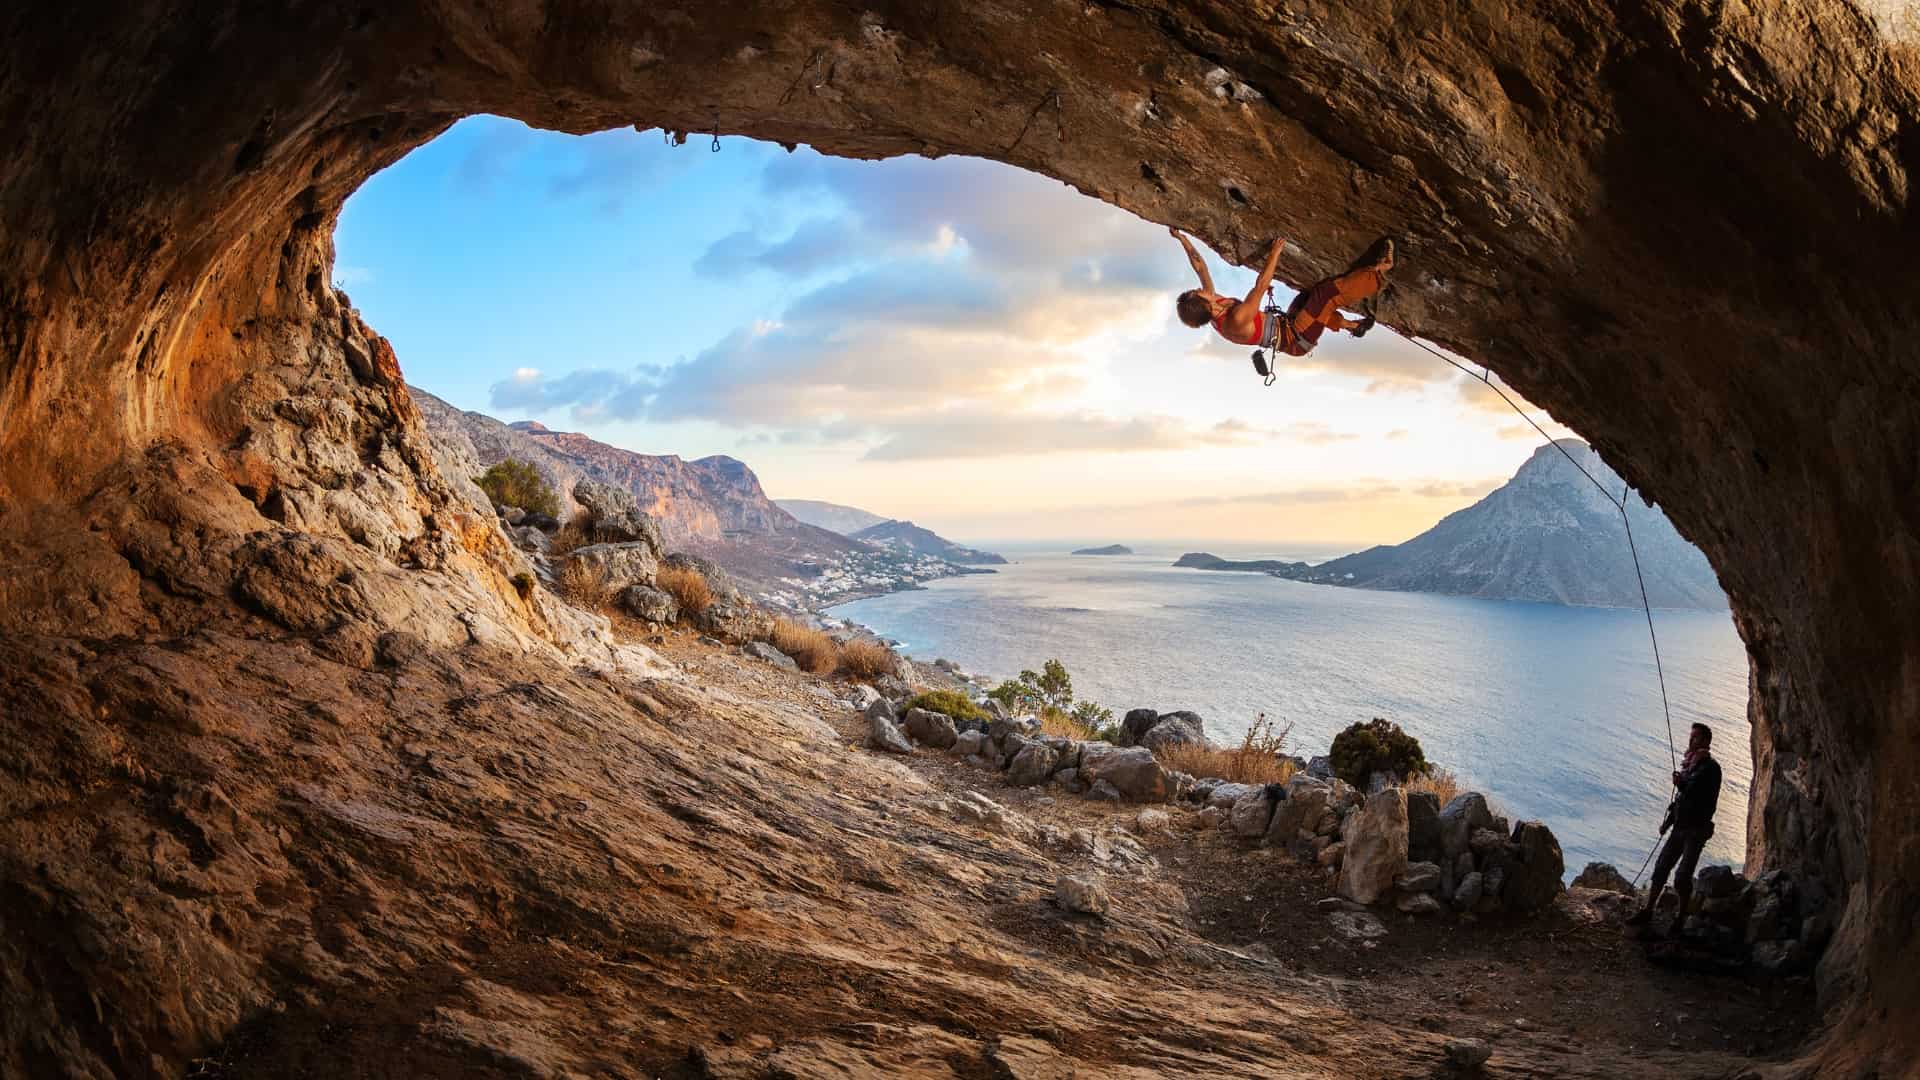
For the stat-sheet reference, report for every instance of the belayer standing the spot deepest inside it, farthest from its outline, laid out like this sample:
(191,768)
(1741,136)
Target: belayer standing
(1312,313)
(1696,795)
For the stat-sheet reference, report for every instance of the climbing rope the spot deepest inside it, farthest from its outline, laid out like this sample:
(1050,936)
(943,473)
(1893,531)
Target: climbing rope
(1485,377)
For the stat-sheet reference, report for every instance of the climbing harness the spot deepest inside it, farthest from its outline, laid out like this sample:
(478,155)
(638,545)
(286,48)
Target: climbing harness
(1271,333)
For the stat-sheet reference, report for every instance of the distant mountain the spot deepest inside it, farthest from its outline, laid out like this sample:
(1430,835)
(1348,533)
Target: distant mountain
(845,520)
(1546,535)
(713,507)
(1110,549)
(905,536)
(1200,560)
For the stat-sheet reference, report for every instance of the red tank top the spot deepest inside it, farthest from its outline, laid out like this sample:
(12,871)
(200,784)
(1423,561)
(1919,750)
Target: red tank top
(1259,326)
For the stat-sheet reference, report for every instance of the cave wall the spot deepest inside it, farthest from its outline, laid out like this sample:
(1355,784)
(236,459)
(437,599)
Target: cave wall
(1684,228)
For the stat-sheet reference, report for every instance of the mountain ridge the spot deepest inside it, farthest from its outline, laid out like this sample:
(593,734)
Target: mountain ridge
(1547,535)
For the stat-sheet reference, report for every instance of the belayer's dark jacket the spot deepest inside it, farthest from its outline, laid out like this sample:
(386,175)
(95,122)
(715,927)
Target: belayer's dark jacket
(1699,794)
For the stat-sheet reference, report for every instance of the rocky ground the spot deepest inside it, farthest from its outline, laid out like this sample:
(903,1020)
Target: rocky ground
(768,899)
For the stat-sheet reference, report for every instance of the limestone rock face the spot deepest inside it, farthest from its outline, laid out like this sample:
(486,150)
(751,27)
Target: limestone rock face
(201,441)
(1376,847)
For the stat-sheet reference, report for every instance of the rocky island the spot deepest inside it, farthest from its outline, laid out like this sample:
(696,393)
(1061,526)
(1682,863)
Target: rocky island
(1110,549)
(1547,535)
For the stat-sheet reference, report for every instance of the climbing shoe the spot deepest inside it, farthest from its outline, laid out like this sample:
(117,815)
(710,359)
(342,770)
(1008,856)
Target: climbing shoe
(1260,363)
(1366,324)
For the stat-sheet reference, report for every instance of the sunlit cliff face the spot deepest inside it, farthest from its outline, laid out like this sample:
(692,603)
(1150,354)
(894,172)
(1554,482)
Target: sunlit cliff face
(1686,234)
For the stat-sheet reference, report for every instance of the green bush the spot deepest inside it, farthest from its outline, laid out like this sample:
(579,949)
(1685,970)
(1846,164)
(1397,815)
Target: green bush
(951,702)
(1376,746)
(1050,688)
(517,483)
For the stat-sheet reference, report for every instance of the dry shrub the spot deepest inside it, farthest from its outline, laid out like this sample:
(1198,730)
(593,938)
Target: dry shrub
(568,537)
(1441,782)
(687,586)
(867,659)
(585,586)
(812,649)
(1259,759)
(1055,722)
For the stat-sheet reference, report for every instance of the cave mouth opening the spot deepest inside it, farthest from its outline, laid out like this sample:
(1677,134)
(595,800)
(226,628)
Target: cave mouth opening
(1565,179)
(670,300)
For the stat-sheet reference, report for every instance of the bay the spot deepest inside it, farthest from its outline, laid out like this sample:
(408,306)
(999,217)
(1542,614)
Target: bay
(1553,712)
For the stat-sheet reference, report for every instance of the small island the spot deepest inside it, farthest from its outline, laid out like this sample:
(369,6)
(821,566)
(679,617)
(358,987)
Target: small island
(1200,560)
(1110,549)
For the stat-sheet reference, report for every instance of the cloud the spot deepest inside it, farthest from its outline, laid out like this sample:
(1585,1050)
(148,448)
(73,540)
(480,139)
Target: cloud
(983,435)
(591,393)
(1448,489)
(1397,433)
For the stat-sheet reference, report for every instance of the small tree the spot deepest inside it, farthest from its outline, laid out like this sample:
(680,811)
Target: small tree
(517,483)
(1051,688)
(1376,746)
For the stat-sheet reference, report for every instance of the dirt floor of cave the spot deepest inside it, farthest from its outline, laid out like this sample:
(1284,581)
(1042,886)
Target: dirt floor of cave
(1216,961)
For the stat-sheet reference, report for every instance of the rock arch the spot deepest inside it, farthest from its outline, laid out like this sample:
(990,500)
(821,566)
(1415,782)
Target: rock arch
(1685,228)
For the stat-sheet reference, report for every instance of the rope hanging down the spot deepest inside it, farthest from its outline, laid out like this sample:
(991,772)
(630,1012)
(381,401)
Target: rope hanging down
(1619,504)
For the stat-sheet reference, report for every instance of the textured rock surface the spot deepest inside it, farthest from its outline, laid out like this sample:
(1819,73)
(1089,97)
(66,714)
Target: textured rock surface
(1376,847)
(201,443)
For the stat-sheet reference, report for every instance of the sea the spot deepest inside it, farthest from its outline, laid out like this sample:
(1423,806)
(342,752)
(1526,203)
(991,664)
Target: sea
(1553,712)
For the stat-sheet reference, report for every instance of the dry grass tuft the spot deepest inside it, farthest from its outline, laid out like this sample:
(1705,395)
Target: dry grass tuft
(866,659)
(1440,781)
(687,586)
(569,536)
(585,586)
(812,649)
(1259,759)
(1055,722)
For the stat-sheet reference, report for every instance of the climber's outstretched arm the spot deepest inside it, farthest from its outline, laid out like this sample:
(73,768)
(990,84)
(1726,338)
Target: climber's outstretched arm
(1259,290)
(1193,258)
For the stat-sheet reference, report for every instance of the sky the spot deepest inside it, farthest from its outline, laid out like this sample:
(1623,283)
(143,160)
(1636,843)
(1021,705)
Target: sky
(979,349)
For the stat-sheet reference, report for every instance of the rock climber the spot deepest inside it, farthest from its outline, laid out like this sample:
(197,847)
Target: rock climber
(1690,817)
(1312,313)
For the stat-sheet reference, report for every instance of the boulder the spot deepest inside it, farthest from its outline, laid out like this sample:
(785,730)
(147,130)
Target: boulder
(1320,766)
(1329,857)
(1467,893)
(1599,875)
(862,695)
(648,604)
(1357,925)
(1000,727)
(1467,1055)
(1780,957)
(1418,903)
(929,728)
(1419,877)
(734,620)
(1175,728)
(1153,821)
(613,515)
(1251,814)
(1104,791)
(1031,766)
(614,565)
(528,538)
(881,732)
(1485,844)
(760,650)
(1080,893)
(1376,847)
(968,743)
(1224,794)
(1465,813)
(716,578)
(1303,801)
(1492,881)
(1136,723)
(1066,778)
(1773,914)
(1382,780)
(1423,826)
(1009,748)
(1714,883)
(546,523)
(1534,874)
(1132,771)
(1211,816)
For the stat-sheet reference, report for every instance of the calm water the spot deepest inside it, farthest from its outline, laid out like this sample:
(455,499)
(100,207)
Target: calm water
(1554,712)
